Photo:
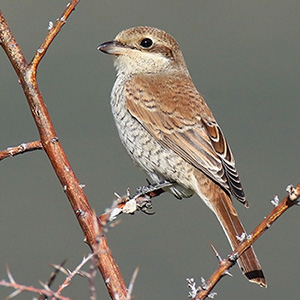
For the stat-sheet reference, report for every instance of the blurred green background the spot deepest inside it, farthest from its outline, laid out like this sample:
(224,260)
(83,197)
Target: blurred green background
(243,57)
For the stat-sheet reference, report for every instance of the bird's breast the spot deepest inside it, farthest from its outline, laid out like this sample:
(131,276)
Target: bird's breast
(145,150)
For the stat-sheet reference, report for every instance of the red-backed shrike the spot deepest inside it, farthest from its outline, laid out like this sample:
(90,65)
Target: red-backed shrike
(169,131)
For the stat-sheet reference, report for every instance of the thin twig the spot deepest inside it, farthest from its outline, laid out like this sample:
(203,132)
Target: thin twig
(131,284)
(18,288)
(53,32)
(68,279)
(226,264)
(23,288)
(52,277)
(22,148)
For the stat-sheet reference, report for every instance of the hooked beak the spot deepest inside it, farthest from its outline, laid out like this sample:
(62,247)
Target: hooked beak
(112,47)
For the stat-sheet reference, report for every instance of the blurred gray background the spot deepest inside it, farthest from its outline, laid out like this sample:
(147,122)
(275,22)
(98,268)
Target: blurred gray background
(243,57)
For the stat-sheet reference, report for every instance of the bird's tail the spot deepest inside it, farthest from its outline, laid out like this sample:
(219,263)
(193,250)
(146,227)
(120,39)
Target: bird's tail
(223,208)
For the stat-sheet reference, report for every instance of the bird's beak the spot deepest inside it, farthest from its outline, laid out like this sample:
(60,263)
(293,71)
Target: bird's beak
(112,47)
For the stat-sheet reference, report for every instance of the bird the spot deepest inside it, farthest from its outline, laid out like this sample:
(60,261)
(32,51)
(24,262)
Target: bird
(169,131)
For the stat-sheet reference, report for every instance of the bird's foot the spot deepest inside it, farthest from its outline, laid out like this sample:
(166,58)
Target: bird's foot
(140,201)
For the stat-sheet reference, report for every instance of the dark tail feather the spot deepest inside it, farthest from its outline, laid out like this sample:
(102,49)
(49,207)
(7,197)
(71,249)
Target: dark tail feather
(232,226)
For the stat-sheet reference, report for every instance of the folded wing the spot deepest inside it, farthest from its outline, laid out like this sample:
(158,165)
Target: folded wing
(173,112)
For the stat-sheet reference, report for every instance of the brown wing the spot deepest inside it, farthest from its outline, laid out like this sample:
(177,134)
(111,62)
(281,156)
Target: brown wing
(174,113)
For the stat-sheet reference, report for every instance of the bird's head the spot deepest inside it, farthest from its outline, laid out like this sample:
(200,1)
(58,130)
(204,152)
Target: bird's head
(142,50)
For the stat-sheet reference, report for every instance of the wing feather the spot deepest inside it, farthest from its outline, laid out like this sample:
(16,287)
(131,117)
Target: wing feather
(175,114)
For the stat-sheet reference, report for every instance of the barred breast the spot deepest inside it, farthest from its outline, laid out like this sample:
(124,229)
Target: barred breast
(157,161)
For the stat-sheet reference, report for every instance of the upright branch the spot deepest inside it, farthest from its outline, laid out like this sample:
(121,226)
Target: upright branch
(86,217)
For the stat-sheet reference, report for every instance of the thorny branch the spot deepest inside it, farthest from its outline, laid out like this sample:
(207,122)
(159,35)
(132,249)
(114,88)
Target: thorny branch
(22,288)
(225,264)
(77,271)
(46,292)
(57,269)
(49,141)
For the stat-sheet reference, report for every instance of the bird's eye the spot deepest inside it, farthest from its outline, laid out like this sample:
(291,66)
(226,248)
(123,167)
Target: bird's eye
(146,43)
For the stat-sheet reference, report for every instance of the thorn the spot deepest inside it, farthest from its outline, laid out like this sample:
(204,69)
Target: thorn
(117,195)
(219,258)
(11,279)
(131,284)
(13,294)
(83,274)
(44,285)
(60,267)
(228,273)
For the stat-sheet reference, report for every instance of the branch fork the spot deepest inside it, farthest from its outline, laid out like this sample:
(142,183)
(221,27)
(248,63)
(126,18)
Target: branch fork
(49,142)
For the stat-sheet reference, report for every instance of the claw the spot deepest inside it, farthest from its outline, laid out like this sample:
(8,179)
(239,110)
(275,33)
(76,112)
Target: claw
(147,212)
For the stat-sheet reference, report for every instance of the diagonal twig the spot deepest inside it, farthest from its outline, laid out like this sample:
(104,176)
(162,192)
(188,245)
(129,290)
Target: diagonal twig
(52,277)
(289,201)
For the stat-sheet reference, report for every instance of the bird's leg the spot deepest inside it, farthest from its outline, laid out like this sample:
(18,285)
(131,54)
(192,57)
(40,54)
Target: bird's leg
(144,194)
(152,189)
(141,200)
